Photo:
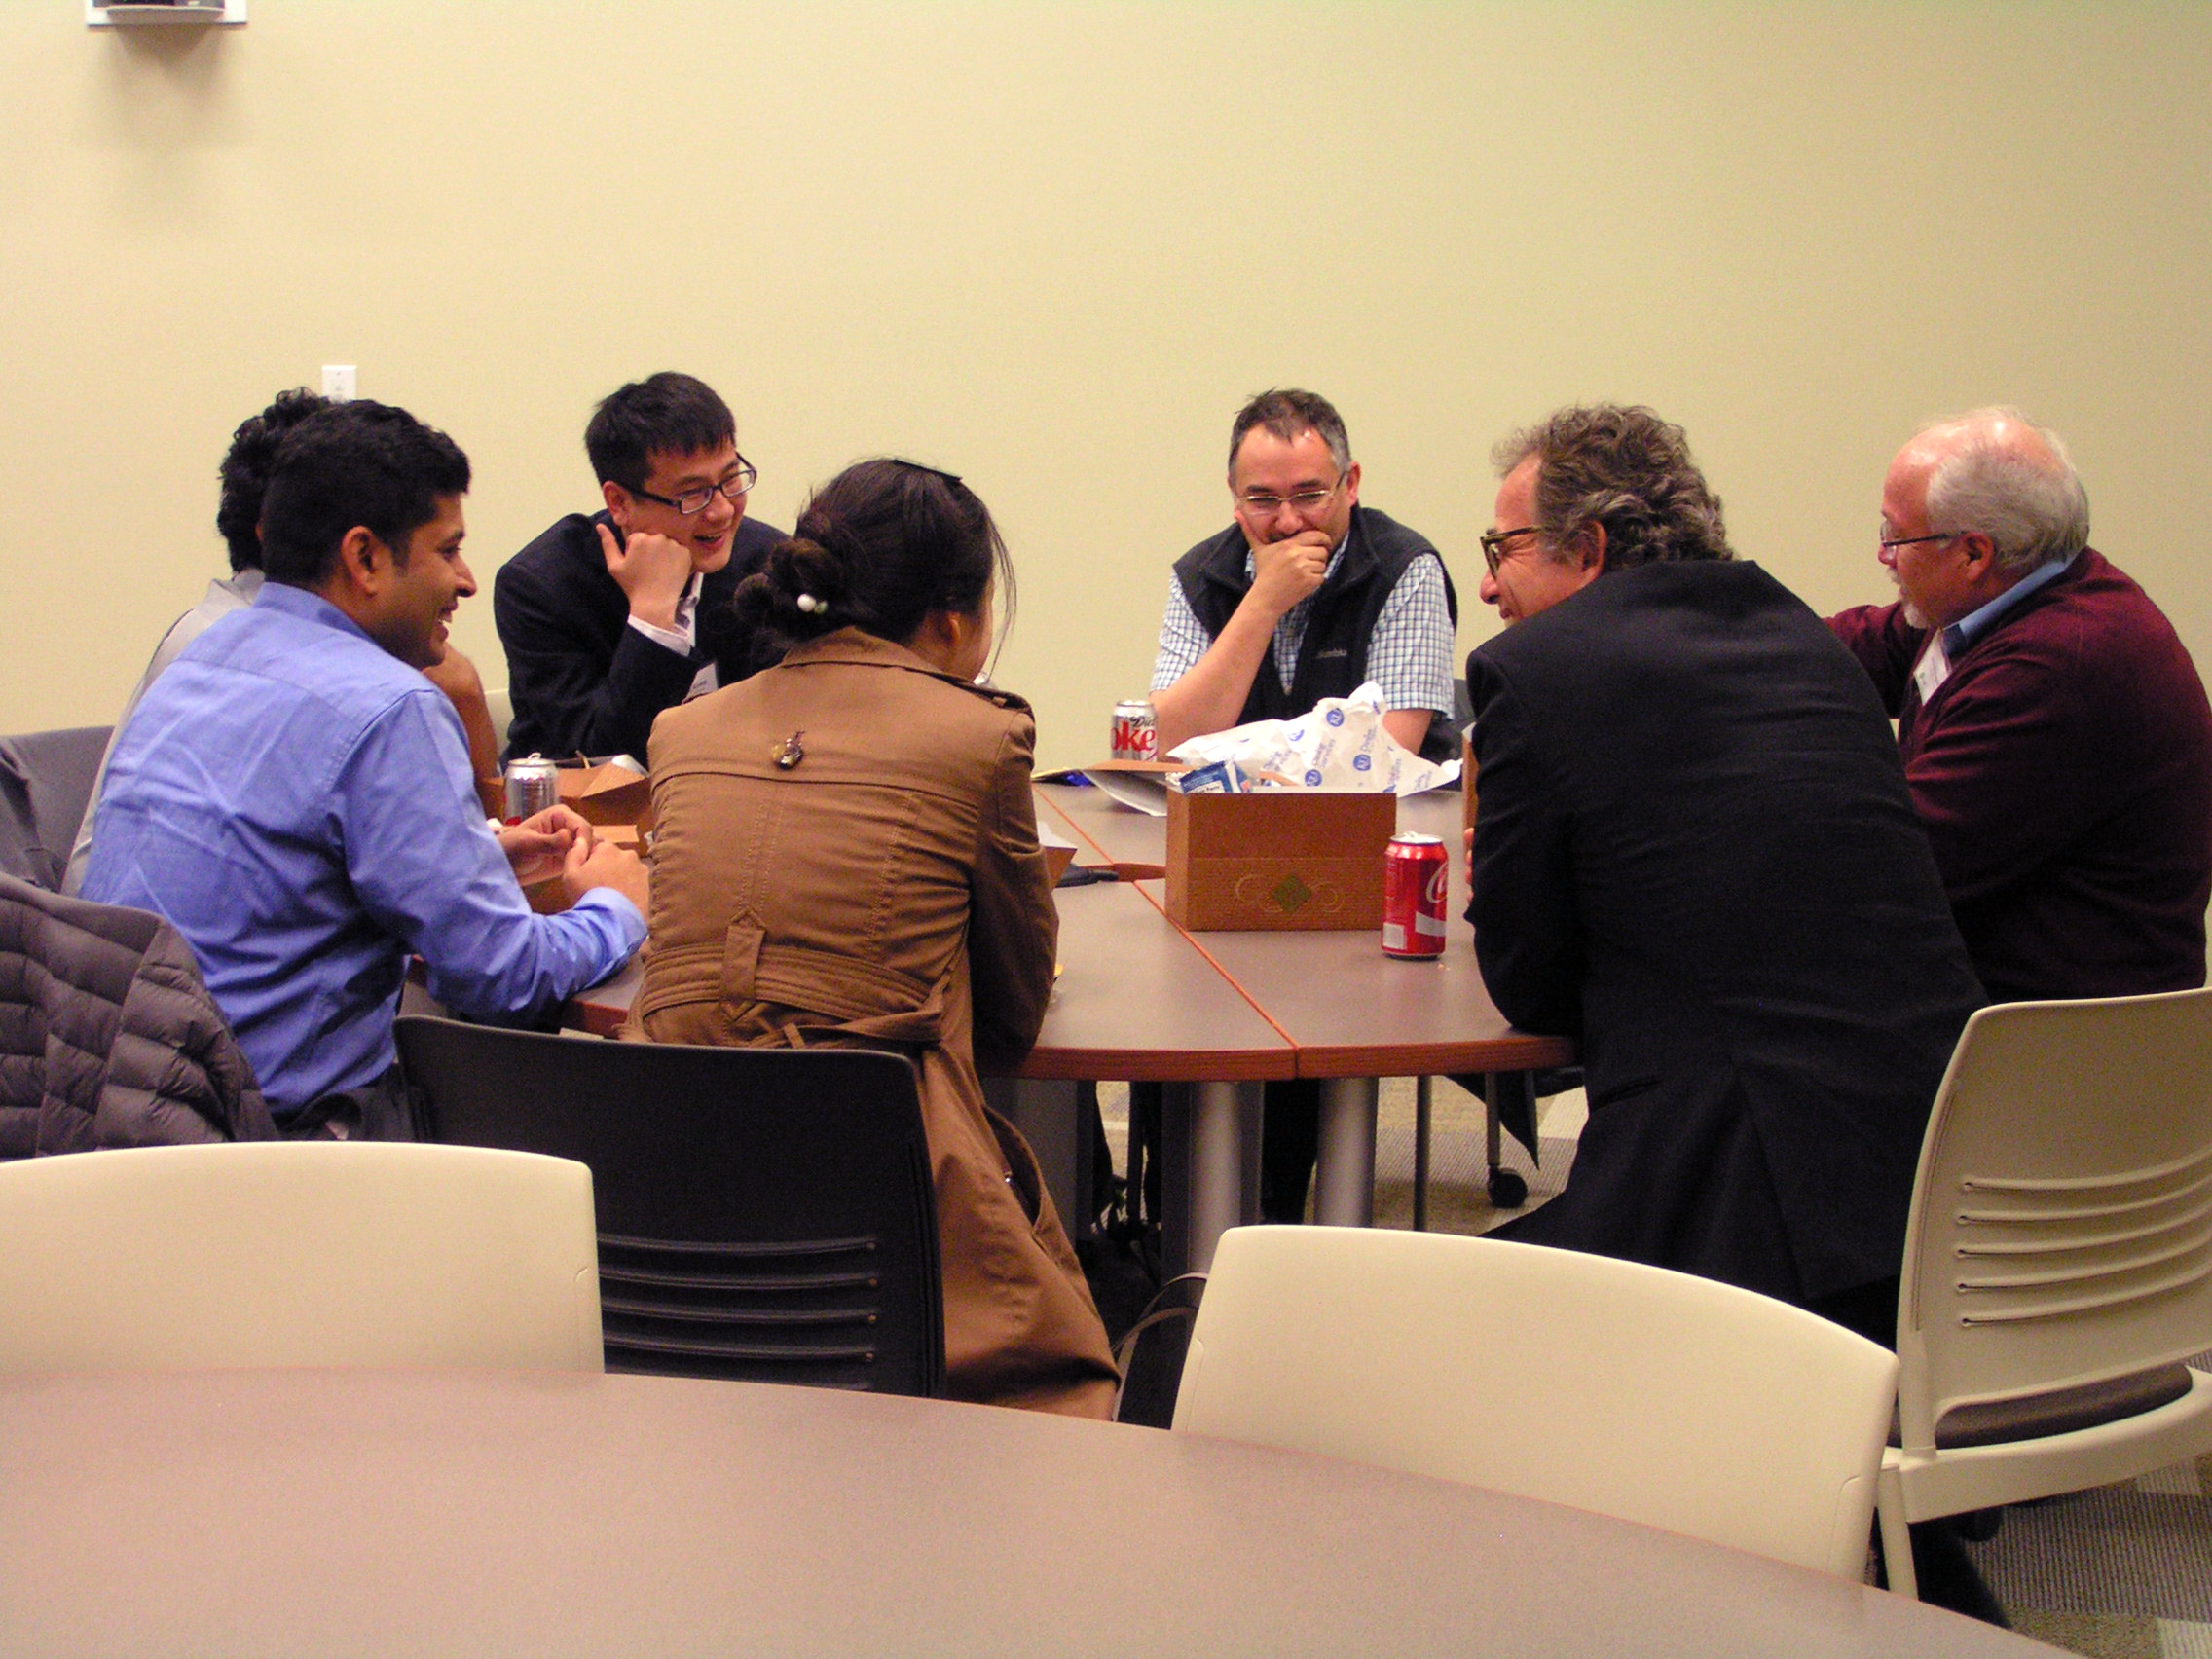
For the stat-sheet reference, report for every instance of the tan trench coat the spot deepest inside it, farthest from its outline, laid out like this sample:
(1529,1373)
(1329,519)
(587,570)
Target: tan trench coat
(888,890)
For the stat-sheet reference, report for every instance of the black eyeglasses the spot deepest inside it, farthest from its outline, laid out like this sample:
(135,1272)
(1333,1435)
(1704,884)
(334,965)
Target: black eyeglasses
(1493,543)
(735,488)
(1886,543)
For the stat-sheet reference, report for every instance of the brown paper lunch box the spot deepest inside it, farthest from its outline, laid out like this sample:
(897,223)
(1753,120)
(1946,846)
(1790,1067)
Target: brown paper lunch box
(607,793)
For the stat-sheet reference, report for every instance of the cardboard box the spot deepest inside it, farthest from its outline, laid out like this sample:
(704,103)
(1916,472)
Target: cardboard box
(608,795)
(1059,853)
(1278,858)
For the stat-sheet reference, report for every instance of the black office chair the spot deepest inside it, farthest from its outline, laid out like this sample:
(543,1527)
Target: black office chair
(765,1214)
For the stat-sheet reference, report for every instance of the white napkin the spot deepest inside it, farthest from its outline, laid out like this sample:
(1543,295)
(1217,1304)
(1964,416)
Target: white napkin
(1340,745)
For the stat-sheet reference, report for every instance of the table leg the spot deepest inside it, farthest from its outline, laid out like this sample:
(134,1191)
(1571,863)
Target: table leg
(1251,1119)
(1218,1132)
(1420,1153)
(1174,1180)
(1345,1181)
(1493,1140)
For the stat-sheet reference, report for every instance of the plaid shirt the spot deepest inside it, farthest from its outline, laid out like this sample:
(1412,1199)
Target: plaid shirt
(1409,656)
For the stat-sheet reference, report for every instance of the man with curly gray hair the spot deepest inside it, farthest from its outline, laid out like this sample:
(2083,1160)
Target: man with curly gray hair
(1594,489)
(1694,852)
(2055,734)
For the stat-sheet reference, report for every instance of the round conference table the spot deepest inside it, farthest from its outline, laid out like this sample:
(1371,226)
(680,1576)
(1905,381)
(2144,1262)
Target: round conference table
(1140,1000)
(312,1513)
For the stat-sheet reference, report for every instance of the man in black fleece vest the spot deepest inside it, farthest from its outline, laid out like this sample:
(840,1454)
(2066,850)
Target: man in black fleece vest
(1307,595)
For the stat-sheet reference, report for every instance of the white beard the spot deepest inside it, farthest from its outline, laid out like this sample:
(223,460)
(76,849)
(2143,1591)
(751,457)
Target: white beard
(1914,616)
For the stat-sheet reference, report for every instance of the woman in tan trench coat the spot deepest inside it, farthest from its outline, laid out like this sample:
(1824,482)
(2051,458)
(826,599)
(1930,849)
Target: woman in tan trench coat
(846,852)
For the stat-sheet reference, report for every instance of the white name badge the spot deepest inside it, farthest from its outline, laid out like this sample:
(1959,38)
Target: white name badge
(1933,666)
(704,681)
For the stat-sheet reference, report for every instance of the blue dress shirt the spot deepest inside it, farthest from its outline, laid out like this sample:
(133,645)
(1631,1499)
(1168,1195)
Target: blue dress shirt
(297,803)
(1970,628)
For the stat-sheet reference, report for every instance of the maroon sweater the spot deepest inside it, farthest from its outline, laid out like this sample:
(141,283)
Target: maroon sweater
(2064,773)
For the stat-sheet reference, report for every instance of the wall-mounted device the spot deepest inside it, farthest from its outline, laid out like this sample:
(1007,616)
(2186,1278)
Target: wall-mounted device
(162,13)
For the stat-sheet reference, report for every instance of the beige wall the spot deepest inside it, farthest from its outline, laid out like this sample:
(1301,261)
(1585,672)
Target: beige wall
(1054,244)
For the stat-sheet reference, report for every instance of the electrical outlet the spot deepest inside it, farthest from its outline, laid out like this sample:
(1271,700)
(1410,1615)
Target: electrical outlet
(338,383)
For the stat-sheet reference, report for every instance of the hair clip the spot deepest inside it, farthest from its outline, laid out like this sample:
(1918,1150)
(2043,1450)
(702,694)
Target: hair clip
(810,604)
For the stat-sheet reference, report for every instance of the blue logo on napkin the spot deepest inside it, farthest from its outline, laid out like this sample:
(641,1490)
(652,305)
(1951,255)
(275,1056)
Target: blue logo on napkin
(1313,778)
(1334,716)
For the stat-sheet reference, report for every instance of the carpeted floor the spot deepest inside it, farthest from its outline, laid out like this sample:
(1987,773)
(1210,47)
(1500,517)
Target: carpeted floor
(2121,1572)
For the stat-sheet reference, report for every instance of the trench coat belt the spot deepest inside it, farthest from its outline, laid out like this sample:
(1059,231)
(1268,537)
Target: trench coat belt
(834,993)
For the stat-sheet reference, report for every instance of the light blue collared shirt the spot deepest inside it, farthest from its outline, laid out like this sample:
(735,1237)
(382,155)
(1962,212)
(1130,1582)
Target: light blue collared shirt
(297,803)
(1970,628)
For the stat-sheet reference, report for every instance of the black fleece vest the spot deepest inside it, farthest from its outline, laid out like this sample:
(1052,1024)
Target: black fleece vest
(1332,657)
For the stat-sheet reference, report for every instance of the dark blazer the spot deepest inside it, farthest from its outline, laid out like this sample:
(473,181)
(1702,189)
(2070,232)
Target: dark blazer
(1695,852)
(582,679)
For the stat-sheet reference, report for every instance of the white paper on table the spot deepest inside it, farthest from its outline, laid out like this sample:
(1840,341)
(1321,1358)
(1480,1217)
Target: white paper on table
(1341,744)
(1141,791)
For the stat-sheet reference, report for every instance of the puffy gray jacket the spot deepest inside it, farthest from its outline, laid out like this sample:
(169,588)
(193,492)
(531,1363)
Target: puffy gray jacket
(107,1035)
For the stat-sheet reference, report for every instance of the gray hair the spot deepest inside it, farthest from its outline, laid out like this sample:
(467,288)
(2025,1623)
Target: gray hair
(1287,412)
(1627,469)
(2032,507)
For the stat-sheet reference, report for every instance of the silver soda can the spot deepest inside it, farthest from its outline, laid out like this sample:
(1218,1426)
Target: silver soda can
(1135,737)
(533,786)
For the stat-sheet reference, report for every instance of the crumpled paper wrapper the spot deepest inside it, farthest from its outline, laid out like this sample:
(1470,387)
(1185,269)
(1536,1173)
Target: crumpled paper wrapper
(1339,745)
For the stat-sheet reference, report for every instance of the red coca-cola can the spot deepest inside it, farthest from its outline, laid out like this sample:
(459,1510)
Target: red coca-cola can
(1415,871)
(1135,737)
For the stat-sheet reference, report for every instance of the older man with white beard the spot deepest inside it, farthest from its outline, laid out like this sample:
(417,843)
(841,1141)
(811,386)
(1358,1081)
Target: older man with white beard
(2055,734)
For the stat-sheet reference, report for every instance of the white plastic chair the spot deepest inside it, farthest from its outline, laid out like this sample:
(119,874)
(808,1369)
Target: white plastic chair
(297,1253)
(2058,1265)
(1638,1393)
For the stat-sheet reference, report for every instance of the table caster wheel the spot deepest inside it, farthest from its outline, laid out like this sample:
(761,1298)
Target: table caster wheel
(1507,1190)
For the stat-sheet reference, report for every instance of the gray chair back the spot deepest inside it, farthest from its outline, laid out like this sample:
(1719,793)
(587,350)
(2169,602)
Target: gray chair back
(46,778)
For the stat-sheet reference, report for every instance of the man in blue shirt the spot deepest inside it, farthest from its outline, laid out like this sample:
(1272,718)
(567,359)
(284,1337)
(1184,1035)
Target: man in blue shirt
(296,799)
(244,475)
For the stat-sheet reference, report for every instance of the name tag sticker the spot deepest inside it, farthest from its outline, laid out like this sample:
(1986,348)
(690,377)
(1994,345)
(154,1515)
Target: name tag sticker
(1933,666)
(702,682)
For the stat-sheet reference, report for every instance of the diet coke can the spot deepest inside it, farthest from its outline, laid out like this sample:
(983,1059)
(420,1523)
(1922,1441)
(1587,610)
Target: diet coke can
(1414,875)
(533,786)
(1135,737)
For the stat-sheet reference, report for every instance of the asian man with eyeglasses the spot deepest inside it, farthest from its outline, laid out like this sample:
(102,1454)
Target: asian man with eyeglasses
(611,618)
